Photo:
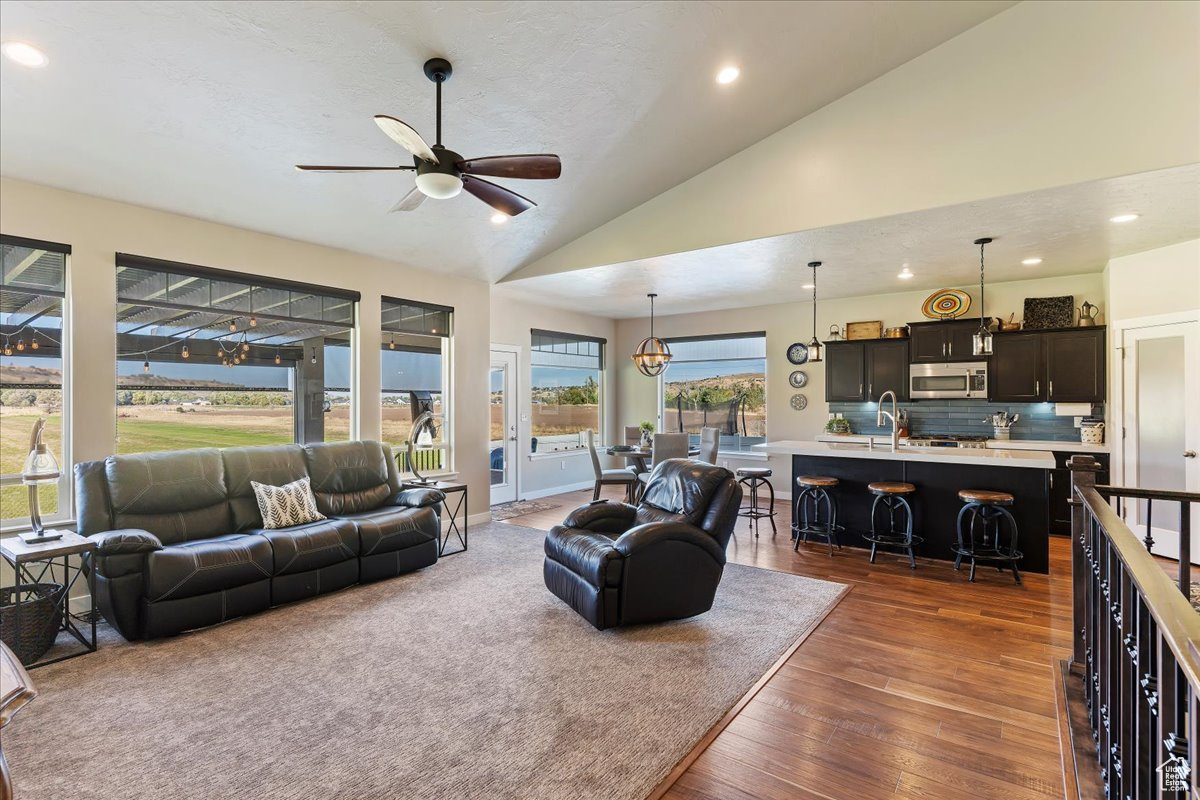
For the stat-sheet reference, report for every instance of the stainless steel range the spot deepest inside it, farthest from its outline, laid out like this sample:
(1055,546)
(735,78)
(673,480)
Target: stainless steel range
(947,440)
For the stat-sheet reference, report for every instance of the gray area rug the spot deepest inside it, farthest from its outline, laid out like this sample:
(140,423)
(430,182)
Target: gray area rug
(520,508)
(464,680)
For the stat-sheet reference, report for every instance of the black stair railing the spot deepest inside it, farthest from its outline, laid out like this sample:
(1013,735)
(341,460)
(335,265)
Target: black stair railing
(1136,643)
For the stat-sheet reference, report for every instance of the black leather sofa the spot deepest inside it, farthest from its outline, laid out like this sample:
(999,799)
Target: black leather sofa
(618,564)
(180,542)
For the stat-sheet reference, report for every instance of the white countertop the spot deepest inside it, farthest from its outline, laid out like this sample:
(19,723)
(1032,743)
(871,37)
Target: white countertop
(992,444)
(1032,459)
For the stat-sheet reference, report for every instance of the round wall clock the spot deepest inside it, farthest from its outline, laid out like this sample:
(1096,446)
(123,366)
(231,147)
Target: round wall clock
(799,402)
(798,379)
(798,353)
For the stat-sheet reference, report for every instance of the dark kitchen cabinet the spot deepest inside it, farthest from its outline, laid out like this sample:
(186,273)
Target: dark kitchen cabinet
(1065,366)
(939,342)
(1015,374)
(863,370)
(844,365)
(1060,490)
(1075,368)
(887,368)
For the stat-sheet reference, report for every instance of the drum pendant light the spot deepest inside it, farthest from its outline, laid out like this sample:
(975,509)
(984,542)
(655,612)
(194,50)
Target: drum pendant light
(652,356)
(814,346)
(981,342)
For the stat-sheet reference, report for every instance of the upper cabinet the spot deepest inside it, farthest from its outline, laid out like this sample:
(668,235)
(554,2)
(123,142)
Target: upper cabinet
(856,371)
(1062,366)
(942,341)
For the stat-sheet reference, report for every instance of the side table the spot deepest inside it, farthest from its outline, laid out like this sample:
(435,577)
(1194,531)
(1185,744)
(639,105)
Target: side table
(32,563)
(452,514)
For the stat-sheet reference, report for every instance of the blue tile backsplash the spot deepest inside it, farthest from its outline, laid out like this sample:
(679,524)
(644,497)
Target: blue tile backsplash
(967,417)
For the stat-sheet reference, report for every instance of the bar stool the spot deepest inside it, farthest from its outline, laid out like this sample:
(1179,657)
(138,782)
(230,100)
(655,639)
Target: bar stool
(987,541)
(810,521)
(752,478)
(890,501)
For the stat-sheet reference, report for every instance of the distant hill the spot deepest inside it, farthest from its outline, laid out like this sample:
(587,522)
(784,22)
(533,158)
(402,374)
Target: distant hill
(12,375)
(720,381)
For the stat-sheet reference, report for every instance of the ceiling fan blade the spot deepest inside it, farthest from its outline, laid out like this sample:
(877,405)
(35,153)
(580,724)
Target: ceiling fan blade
(410,201)
(326,168)
(542,166)
(404,135)
(497,197)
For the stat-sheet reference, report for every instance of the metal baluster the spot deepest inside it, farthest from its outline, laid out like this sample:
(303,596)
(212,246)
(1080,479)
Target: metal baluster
(1185,549)
(1149,533)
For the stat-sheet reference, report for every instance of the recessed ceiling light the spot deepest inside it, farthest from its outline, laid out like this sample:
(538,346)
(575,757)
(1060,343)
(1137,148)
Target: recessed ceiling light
(1031,262)
(807,286)
(24,54)
(905,274)
(1123,218)
(499,218)
(728,75)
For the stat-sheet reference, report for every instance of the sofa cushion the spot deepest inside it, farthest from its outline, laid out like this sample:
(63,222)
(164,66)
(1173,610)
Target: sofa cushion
(273,465)
(392,528)
(288,505)
(207,565)
(351,477)
(312,546)
(178,495)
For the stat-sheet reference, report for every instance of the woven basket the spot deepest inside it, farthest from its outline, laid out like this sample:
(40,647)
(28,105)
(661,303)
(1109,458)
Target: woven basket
(39,619)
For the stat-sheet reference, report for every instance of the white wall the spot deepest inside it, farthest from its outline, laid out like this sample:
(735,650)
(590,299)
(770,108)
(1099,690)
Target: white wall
(511,322)
(792,322)
(1044,94)
(97,228)
(1158,281)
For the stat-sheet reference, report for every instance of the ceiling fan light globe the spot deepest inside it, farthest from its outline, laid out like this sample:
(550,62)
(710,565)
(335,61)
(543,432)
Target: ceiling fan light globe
(439,185)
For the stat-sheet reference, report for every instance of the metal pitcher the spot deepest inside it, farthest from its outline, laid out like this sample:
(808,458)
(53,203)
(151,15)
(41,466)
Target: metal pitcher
(835,334)
(1087,315)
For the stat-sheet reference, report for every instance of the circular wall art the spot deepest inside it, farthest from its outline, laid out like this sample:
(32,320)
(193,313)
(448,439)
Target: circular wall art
(799,402)
(798,353)
(946,304)
(798,379)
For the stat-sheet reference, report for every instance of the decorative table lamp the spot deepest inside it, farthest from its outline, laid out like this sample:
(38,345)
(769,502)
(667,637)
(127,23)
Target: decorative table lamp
(40,467)
(421,434)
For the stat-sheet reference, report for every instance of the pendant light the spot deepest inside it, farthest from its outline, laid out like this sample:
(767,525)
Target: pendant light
(814,346)
(981,342)
(652,356)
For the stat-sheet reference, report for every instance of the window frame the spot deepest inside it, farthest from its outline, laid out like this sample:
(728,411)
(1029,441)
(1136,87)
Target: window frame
(66,496)
(601,386)
(446,446)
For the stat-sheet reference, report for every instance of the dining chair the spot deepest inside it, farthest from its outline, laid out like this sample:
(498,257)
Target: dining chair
(666,445)
(710,443)
(610,477)
(633,435)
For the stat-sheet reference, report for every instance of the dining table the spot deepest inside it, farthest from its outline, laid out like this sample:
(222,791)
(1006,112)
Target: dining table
(637,456)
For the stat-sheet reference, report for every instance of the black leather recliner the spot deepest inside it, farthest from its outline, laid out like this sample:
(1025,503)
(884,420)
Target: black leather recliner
(181,544)
(617,564)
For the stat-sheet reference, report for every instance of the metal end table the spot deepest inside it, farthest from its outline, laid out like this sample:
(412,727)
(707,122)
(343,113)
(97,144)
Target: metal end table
(32,563)
(452,514)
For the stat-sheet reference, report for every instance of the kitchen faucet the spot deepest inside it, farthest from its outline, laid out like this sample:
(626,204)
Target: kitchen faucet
(880,414)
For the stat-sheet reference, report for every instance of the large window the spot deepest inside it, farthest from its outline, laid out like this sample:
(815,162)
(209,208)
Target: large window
(415,357)
(566,373)
(718,382)
(209,358)
(32,290)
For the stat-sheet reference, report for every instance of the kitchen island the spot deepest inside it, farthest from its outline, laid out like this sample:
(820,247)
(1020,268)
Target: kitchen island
(938,474)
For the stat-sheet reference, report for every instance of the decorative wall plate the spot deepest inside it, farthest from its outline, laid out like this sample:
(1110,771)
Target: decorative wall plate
(946,304)
(798,379)
(798,353)
(799,402)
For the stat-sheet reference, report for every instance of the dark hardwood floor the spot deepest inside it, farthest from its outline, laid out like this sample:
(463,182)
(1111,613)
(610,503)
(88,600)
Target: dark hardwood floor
(918,685)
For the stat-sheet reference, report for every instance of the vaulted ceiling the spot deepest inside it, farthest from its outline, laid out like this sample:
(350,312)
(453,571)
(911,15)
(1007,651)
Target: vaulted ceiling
(202,107)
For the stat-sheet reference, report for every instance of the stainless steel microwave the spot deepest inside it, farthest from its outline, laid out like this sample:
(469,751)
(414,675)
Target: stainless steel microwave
(938,381)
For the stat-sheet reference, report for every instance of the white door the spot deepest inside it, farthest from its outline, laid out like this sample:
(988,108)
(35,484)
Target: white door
(502,444)
(1160,402)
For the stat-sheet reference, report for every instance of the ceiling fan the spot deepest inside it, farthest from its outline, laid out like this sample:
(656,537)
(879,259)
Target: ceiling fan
(442,173)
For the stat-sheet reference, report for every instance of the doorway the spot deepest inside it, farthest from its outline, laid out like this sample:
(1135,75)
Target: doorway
(502,436)
(1160,384)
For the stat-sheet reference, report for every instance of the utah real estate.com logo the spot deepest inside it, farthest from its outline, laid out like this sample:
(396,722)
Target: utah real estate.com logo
(1174,773)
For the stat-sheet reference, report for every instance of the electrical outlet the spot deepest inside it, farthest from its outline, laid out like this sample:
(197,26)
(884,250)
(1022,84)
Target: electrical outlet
(562,465)
(1078,422)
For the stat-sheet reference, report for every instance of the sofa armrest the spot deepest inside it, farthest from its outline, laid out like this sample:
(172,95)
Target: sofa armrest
(603,517)
(126,541)
(418,498)
(645,537)
(588,554)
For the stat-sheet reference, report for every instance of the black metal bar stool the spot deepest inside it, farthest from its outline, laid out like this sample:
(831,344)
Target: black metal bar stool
(892,519)
(987,531)
(816,511)
(752,478)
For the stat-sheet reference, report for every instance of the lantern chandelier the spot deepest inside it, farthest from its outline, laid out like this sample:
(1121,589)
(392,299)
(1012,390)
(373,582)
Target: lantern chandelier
(652,356)
(814,345)
(981,342)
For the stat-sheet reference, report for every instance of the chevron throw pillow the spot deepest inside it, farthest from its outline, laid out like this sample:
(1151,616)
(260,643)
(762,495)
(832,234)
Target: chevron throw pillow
(287,505)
